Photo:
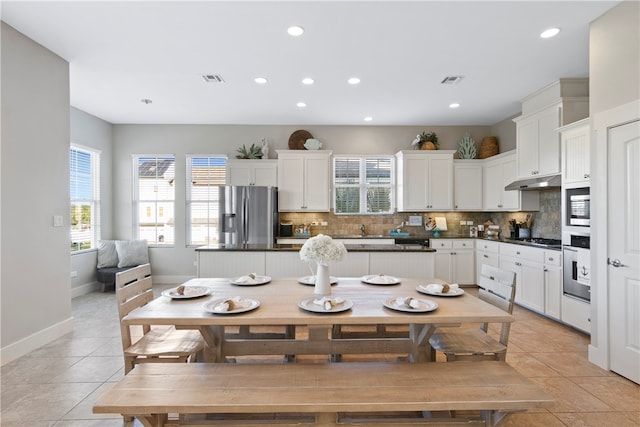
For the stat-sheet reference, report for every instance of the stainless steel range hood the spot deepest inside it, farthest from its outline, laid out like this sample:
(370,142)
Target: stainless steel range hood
(538,183)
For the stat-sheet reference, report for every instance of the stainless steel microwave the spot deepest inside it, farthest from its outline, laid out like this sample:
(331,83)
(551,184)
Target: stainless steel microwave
(578,206)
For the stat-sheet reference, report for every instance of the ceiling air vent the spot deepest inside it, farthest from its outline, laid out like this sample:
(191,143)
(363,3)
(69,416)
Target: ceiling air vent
(451,80)
(213,78)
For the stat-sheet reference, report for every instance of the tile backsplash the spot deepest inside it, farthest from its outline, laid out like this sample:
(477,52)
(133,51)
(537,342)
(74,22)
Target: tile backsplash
(547,221)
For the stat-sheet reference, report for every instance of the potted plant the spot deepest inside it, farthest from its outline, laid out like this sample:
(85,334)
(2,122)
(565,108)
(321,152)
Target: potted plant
(254,152)
(426,141)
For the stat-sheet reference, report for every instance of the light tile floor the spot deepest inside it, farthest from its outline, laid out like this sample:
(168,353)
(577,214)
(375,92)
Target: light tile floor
(57,384)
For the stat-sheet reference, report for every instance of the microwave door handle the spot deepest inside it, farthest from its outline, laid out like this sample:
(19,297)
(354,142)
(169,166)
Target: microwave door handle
(574,270)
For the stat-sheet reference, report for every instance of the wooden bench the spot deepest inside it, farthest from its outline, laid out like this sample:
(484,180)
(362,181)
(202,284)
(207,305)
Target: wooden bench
(322,393)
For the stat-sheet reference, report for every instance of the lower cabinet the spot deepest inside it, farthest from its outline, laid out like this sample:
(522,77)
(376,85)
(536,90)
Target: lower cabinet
(402,264)
(576,313)
(487,252)
(455,260)
(552,283)
(230,264)
(528,264)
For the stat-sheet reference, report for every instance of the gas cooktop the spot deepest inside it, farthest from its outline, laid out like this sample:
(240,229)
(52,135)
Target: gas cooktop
(542,242)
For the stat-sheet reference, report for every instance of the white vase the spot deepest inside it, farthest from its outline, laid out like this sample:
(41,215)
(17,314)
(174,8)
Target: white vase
(323,281)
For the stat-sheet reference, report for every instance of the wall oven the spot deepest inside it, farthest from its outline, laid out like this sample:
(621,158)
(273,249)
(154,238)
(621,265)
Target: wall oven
(578,204)
(576,269)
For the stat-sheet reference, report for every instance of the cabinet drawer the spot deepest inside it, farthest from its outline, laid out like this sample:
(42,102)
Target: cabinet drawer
(522,252)
(489,258)
(553,258)
(463,244)
(488,246)
(441,243)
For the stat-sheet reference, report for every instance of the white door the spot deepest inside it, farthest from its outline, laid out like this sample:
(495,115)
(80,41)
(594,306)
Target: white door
(624,249)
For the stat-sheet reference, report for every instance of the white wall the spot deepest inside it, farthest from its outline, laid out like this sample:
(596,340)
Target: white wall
(176,264)
(90,131)
(34,284)
(614,86)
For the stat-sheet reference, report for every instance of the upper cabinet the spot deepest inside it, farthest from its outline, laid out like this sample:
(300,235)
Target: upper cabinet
(543,112)
(499,171)
(304,180)
(467,181)
(252,172)
(576,148)
(424,180)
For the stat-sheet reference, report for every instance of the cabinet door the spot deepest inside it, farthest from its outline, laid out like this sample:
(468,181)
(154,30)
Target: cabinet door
(291,184)
(484,257)
(444,265)
(527,147)
(512,264)
(440,184)
(553,291)
(239,174)
(493,187)
(510,199)
(464,270)
(548,142)
(401,264)
(230,263)
(416,177)
(532,283)
(317,184)
(265,173)
(467,187)
(576,155)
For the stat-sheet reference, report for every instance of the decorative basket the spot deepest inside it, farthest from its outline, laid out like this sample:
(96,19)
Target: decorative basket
(488,147)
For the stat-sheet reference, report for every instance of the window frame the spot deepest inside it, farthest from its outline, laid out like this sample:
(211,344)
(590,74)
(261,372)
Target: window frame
(363,185)
(94,199)
(189,200)
(137,200)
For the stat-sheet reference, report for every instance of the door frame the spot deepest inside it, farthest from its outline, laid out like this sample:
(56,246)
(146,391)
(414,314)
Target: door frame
(602,122)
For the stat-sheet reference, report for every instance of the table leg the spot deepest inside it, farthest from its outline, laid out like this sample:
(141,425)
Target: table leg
(214,343)
(421,349)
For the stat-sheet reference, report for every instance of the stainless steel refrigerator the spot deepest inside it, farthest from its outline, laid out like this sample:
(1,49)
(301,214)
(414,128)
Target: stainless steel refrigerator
(248,215)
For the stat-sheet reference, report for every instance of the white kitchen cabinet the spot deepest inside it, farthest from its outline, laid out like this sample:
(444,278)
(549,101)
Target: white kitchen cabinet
(402,264)
(543,112)
(304,181)
(576,148)
(487,252)
(527,263)
(455,260)
(230,264)
(467,181)
(576,313)
(499,171)
(552,283)
(252,172)
(424,180)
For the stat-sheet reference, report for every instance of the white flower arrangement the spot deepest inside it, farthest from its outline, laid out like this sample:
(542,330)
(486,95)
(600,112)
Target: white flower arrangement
(323,250)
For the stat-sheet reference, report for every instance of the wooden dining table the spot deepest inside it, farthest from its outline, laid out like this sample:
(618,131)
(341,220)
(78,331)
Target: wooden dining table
(279,305)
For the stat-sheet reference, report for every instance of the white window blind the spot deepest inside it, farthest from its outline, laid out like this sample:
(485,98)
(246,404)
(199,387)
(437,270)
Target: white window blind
(204,176)
(363,185)
(84,190)
(155,198)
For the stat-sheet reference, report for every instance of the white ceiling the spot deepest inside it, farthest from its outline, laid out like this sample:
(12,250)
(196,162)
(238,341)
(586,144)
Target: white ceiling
(122,52)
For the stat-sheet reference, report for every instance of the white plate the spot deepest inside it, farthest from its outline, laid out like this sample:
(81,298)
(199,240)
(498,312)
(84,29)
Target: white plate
(190,292)
(244,305)
(311,280)
(308,305)
(259,280)
(379,279)
(425,305)
(452,292)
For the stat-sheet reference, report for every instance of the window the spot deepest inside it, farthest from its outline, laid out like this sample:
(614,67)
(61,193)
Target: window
(155,199)
(363,185)
(84,186)
(204,175)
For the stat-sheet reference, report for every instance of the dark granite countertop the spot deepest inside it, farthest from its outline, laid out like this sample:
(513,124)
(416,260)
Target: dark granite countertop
(294,247)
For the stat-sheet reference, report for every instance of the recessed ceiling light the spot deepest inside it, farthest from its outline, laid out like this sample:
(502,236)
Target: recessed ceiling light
(146,101)
(454,105)
(301,104)
(549,33)
(307,81)
(353,81)
(295,31)
(260,80)
(368,119)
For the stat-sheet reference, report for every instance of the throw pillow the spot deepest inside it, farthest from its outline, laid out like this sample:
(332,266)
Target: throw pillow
(107,255)
(132,252)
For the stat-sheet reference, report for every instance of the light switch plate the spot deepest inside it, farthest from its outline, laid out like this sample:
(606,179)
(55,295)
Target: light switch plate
(57,220)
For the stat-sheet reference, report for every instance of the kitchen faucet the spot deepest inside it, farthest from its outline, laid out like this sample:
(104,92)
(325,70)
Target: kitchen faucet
(363,231)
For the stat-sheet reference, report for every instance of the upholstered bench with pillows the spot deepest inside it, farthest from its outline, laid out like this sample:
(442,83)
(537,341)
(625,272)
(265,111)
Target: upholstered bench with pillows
(115,256)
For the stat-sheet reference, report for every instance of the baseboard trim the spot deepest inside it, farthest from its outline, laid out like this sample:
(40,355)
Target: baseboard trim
(26,345)
(85,289)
